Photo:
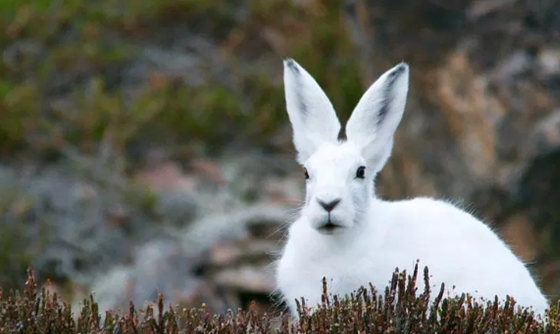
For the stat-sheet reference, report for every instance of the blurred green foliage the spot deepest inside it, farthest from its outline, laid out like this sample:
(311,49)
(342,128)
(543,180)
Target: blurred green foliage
(57,82)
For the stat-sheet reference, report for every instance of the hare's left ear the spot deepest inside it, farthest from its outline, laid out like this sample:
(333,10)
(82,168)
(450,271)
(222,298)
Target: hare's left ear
(377,115)
(311,113)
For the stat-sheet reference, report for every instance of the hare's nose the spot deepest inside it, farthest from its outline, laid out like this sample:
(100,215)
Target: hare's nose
(330,205)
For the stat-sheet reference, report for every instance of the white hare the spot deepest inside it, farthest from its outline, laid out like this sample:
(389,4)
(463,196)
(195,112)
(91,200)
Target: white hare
(352,238)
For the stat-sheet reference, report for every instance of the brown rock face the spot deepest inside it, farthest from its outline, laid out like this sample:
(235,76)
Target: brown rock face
(483,111)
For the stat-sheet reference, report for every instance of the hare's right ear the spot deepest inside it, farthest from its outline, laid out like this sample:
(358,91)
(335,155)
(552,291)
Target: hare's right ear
(311,113)
(377,115)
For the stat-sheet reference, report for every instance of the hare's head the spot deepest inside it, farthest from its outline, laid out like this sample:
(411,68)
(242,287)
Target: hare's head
(340,173)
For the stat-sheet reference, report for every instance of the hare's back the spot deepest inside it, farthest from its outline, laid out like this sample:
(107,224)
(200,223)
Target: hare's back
(449,241)
(460,250)
(429,222)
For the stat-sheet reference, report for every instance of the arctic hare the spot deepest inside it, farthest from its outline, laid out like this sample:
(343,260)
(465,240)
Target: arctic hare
(352,238)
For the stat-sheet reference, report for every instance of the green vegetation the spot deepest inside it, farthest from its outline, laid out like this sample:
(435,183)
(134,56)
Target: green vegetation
(60,81)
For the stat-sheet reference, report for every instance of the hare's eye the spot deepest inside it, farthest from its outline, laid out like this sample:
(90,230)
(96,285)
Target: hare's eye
(361,172)
(305,173)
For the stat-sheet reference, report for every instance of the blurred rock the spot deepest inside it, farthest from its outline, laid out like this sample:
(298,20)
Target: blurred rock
(482,109)
(224,271)
(250,249)
(183,56)
(473,108)
(219,256)
(245,279)
(545,136)
(165,176)
(549,61)
(111,290)
(210,169)
(520,236)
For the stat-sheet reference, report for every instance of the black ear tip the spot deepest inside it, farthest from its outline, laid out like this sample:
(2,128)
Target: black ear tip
(401,68)
(398,70)
(291,64)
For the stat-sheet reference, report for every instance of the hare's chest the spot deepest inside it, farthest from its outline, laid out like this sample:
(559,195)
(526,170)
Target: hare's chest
(301,276)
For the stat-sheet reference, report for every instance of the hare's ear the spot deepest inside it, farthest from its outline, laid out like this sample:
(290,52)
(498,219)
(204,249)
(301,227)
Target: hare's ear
(311,113)
(377,115)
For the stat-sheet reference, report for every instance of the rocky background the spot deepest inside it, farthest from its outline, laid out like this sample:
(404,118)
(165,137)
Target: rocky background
(145,146)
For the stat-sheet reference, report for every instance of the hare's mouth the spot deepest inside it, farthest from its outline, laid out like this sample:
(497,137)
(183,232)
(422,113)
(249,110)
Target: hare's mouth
(329,227)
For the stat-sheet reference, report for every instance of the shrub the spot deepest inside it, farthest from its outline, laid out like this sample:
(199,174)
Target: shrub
(398,310)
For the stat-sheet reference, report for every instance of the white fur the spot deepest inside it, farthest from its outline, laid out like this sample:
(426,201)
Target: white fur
(307,103)
(374,236)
